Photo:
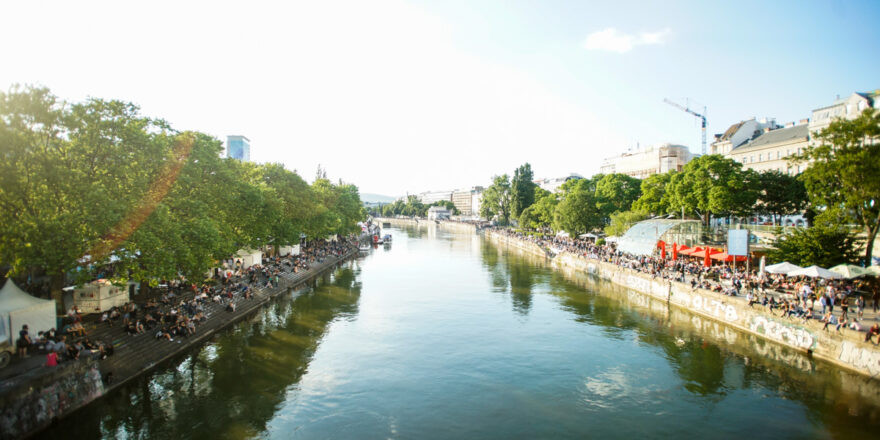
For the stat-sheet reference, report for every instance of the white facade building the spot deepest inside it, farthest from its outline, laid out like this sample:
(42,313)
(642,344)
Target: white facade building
(429,197)
(464,200)
(553,184)
(655,159)
(740,133)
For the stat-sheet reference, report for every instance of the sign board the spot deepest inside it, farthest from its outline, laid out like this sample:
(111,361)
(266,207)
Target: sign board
(738,242)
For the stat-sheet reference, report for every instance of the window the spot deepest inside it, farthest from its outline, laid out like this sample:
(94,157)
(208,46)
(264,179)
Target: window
(760,158)
(752,159)
(777,155)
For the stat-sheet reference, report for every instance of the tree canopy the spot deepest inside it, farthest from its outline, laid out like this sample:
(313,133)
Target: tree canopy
(522,189)
(497,200)
(843,172)
(83,185)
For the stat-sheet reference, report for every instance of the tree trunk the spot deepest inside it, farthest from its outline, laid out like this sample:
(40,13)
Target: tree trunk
(869,245)
(56,283)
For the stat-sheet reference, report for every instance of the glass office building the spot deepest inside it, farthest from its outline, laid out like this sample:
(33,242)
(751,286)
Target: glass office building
(238,147)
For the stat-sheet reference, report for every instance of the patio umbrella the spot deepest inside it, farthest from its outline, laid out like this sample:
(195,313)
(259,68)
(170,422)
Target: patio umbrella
(816,272)
(873,270)
(722,256)
(849,271)
(784,268)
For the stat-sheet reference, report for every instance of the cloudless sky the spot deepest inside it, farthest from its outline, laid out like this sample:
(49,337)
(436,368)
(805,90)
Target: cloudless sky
(398,96)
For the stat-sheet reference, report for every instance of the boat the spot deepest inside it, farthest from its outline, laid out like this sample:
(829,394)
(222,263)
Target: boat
(387,238)
(363,247)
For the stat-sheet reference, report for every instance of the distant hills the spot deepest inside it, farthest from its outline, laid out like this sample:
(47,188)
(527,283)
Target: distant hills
(376,198)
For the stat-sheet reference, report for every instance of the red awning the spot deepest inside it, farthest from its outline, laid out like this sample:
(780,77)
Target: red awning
(722,256)
(702,252)
(689,251)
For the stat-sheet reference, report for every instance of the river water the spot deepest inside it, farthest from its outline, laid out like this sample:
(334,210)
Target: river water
(444,335)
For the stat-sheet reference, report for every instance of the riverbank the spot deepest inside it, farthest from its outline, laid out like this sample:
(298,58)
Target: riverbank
(31,402)
(844,348)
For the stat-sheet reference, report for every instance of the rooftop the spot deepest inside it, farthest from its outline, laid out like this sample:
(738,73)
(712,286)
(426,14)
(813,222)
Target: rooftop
(780,135)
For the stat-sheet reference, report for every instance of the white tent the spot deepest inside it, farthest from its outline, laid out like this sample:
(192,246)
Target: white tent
(849,271)
(19,308)
(249,257)
(816,272)
(784,268)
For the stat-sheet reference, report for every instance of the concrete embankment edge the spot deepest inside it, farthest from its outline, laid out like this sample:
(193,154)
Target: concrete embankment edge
(846,348)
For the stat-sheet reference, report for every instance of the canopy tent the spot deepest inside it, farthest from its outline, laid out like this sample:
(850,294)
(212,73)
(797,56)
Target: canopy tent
(702,253)
(18,308)
(722,256)
(784,268)
(816,272)
(849,271)
(588,235)
(249,257)
(690,251)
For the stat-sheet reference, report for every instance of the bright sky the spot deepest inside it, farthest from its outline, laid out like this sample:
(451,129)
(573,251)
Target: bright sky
(398,96)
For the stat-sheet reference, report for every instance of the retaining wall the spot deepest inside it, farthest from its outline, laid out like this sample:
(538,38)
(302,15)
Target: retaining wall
(845,348)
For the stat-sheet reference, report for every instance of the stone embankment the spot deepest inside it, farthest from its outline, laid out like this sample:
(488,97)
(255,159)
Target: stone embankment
(30,402)
(844,348)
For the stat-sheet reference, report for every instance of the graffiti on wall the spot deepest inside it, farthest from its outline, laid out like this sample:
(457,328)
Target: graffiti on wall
(860,357)
(783,332)
(710,306)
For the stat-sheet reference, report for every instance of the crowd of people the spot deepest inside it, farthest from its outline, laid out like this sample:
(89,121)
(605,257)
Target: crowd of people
(801,298)
(179,307)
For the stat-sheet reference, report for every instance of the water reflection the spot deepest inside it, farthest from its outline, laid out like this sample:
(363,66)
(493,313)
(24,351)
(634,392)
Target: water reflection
(232,387)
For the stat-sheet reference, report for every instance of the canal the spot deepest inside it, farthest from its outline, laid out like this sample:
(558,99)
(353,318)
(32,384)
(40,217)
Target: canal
(443,335)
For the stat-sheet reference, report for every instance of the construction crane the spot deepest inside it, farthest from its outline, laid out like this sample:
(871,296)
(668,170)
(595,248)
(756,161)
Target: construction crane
(688,110)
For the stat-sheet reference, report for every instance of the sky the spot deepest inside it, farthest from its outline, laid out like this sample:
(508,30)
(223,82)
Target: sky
(408,96)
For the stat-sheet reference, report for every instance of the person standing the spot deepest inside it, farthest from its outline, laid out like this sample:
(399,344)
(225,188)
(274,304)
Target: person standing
(24,341)
(844,308)
(860,306)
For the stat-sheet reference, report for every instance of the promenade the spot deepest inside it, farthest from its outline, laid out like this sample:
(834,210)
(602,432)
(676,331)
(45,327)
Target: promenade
(137,353)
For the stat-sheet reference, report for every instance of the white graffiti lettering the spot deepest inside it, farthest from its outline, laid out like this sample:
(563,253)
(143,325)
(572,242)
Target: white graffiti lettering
(797,336)
(860,357)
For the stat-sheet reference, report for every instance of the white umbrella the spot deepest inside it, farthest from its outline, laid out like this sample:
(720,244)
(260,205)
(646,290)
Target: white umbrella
(784,268)
(873,270)
(816,272)
(588,235)
(849,270)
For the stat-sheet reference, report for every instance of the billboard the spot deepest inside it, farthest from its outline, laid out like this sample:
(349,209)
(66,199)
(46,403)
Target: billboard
(738,242)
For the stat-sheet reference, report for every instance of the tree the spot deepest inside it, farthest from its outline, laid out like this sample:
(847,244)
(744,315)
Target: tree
(712,185)
(544,208)
(497,200)
(522,189)
(780,194)
(654,198)
(843,172)
(577,212)
(616,193)
(622,221)
(824,244)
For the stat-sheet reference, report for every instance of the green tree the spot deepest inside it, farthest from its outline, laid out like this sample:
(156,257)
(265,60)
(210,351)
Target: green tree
(544,208)
(654,198)
(824,244)
(497,200)
(713,185)
(780,194)
(522,189)
(616,193)
(843,172)
(577,211)
(622,221)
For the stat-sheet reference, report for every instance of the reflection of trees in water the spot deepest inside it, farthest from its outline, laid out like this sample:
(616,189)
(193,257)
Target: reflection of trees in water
(515,273)
(229,389)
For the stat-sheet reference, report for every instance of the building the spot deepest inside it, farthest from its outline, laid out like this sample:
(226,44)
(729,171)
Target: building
(464,200)
(238,147)
(740,133)
(656,159)
(430,197)
(772,148)
(848,108)
(438,213)
(553,184)
(476,204)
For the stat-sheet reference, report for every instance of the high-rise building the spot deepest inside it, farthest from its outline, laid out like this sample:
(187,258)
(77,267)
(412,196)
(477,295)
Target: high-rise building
(238,147)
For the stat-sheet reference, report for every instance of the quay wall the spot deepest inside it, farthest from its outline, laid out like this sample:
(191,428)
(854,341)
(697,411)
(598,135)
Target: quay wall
(845,348)
(447,225)
(31,403)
